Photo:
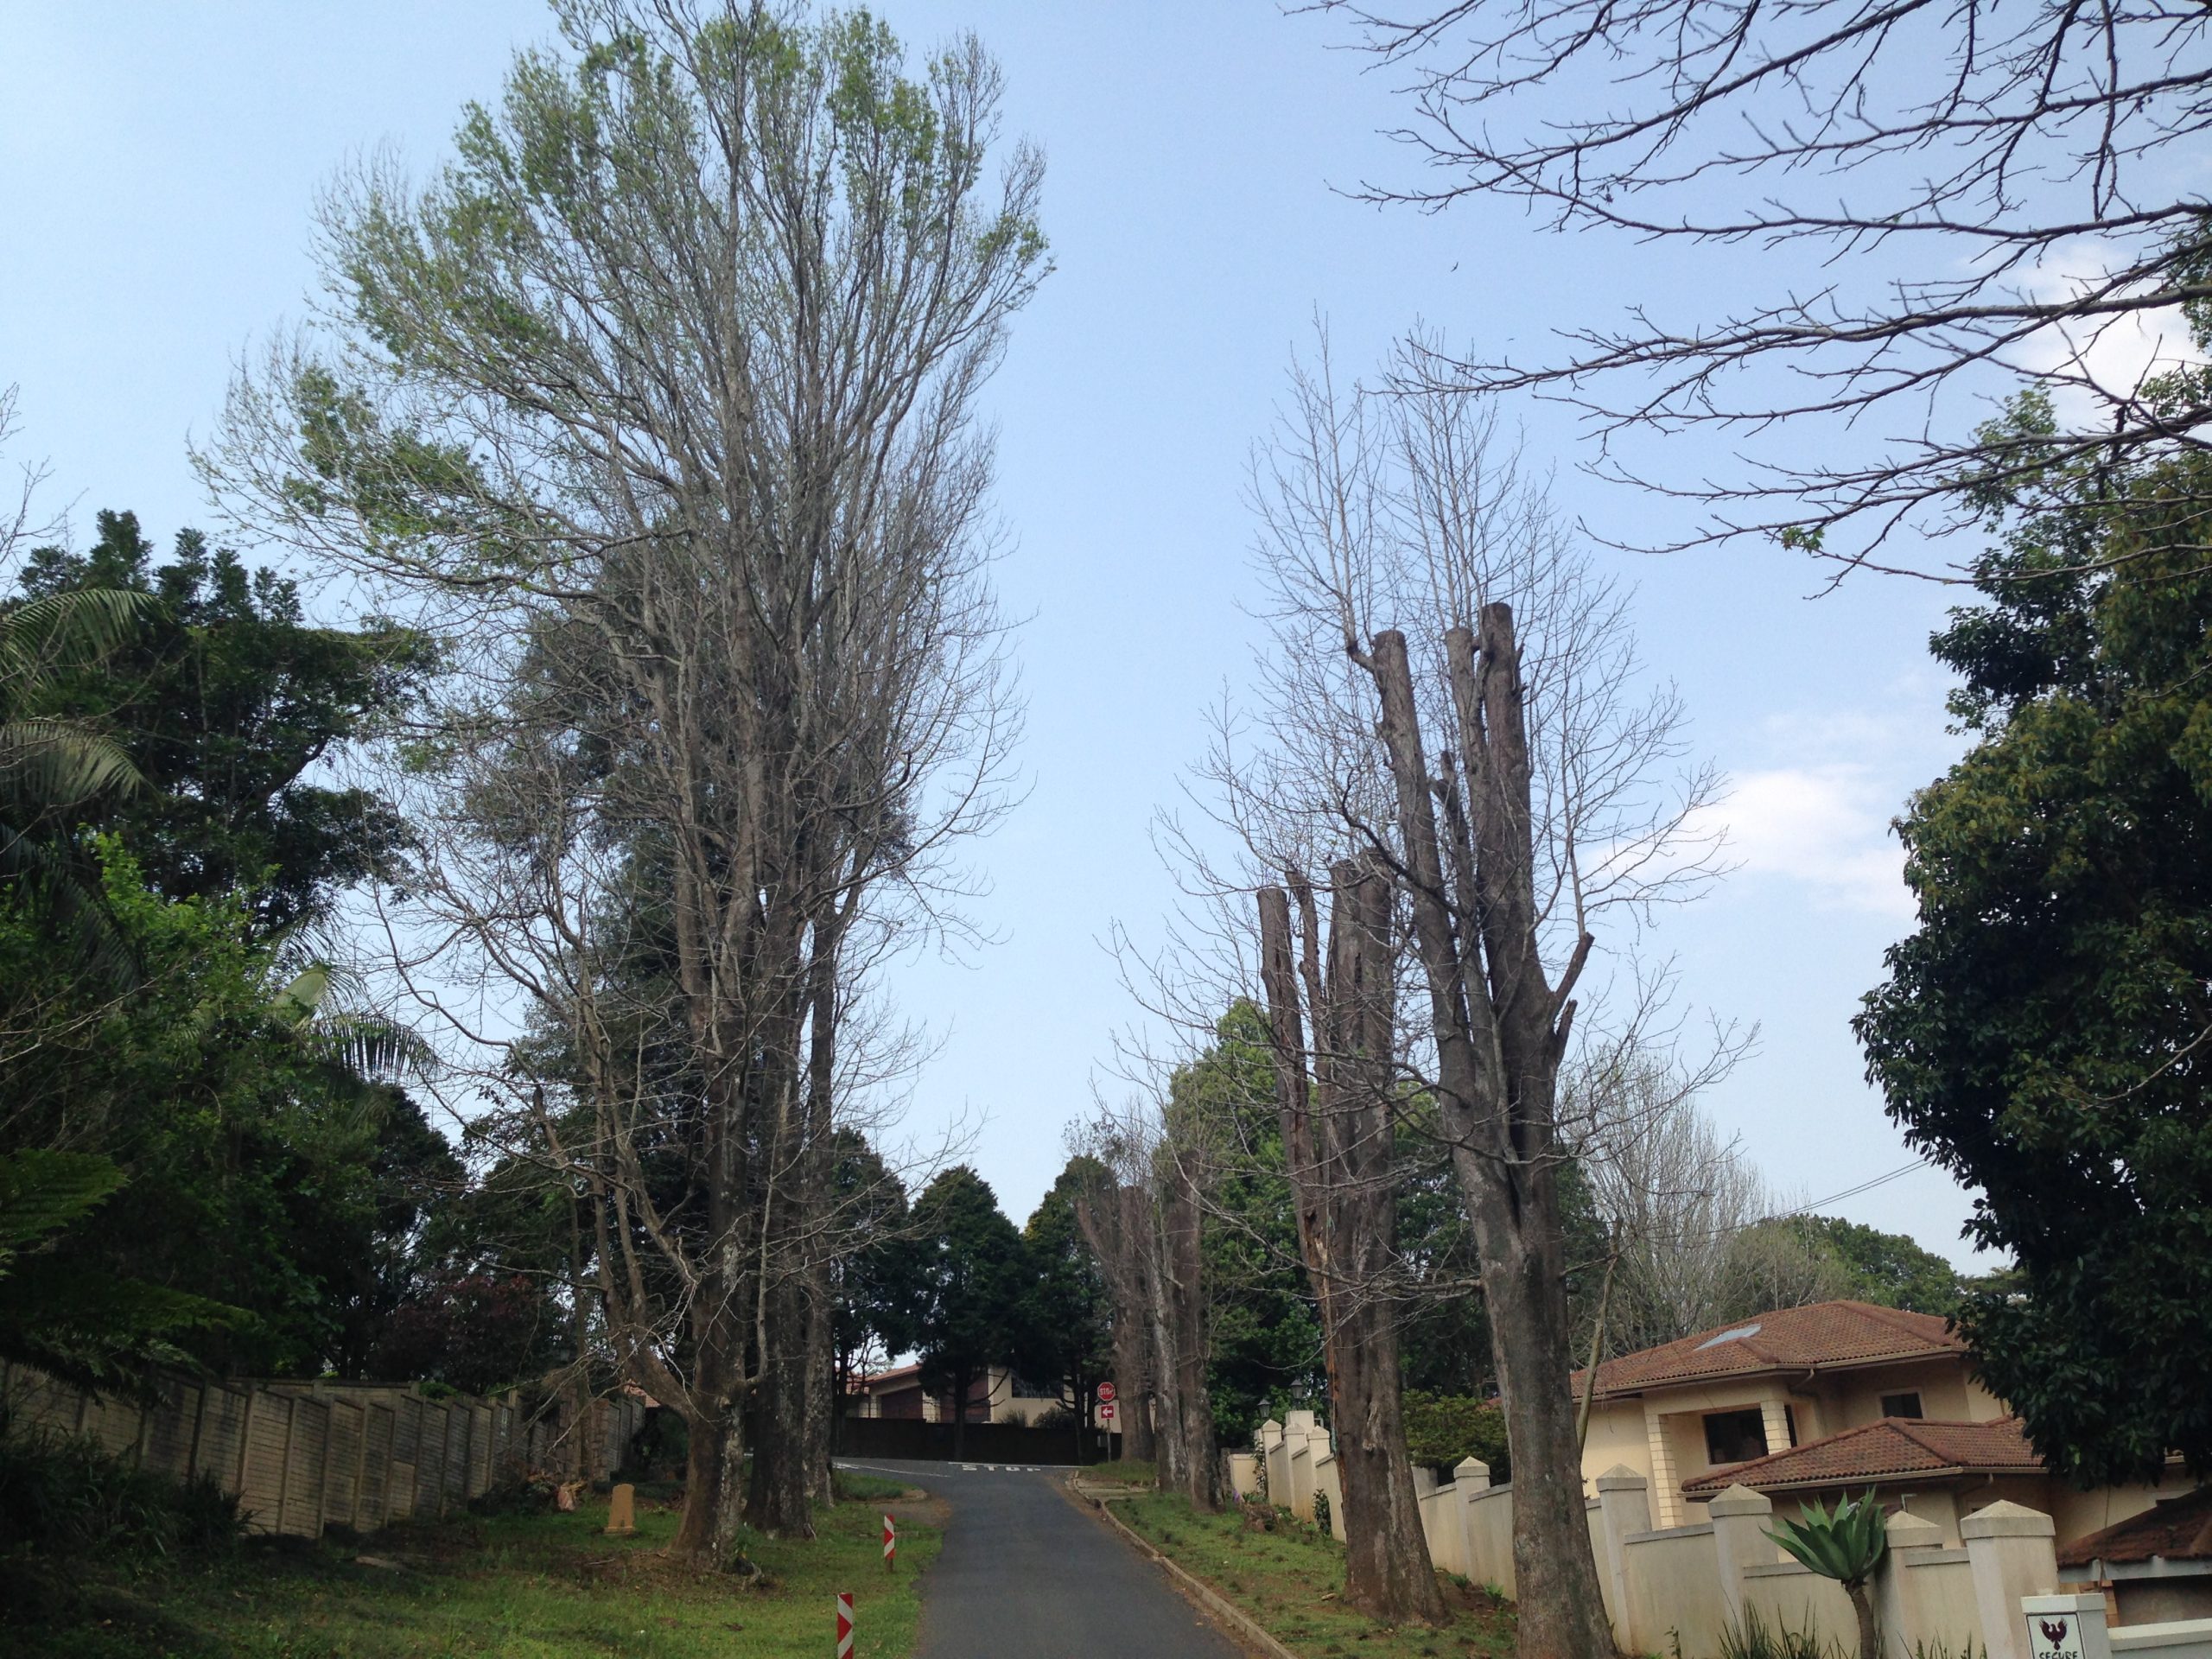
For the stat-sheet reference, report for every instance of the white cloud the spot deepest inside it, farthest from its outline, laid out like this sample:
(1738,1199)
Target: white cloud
(1825,826)
(2114,355)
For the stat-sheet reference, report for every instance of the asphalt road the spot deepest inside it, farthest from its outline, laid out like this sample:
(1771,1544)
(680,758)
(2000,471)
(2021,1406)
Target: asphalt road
(1026,1574)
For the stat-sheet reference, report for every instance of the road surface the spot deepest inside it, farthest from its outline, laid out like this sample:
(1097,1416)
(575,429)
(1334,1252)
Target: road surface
(1026,1574)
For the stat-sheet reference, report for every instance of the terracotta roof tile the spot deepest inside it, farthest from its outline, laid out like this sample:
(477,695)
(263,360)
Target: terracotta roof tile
(1895,1446)
(2178,1528)
(1824,1335)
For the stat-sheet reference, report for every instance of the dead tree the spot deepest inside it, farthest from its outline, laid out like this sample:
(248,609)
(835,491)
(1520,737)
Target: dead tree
(1334,1104)
(1115,1223)
(1509,785)
(1501,1029)
(1183,1336)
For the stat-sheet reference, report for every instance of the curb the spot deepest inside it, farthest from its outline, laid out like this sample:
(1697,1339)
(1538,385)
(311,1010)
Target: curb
(1197,1588)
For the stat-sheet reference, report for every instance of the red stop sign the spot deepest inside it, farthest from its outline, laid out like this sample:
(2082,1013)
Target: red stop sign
(1105,1392)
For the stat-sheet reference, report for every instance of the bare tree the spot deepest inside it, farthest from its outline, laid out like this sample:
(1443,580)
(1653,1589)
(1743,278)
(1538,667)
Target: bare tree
(1987,199)
(1690,1218)
(658,403)
(1451,693)
(1335,1099)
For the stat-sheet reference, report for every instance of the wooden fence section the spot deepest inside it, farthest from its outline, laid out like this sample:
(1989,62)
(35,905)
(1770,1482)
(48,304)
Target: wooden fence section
(303,1456)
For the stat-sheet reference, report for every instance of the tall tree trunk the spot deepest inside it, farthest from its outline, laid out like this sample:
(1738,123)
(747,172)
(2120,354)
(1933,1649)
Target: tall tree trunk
(1170,1444)
(1337,1131)
(1182,1265)
(1500,1029)
(1112,1223)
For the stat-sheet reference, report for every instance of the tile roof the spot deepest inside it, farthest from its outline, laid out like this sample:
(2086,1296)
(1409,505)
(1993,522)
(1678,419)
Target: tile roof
(1818,1337)
(1895,1446)
(2178,1528)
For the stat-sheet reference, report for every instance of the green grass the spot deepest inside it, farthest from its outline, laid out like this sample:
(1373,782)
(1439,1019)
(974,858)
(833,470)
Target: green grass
(864,1489)
(1291,1580)
(1124,1472)
(537,1587)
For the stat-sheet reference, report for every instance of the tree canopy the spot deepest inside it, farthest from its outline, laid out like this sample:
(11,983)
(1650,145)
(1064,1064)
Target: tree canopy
(2043,1032)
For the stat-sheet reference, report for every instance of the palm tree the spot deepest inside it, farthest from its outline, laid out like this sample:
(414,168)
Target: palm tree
(51,769)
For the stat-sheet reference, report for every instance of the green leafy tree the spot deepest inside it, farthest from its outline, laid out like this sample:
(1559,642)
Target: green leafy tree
(1443,1429)
(226,698)
(1888,1270)
(1265,1334)
(972,1281)
(54,770)
(2044,1032)
(1066,1324)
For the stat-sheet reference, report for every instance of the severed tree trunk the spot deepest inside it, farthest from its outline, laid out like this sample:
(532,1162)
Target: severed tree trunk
(1337,1133)
(1111,1225)
(1196,1460)
(1501,1031)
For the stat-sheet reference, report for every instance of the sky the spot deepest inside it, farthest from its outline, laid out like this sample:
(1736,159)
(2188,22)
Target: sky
(158,170)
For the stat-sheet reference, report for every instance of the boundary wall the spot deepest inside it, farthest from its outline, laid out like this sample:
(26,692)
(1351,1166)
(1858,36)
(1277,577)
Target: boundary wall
(1676,1589)
(300,1456)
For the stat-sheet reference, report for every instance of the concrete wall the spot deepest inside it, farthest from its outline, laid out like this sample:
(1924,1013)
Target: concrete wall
(303,1456)
(1674,1586)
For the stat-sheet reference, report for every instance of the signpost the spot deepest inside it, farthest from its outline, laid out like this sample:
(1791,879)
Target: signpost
(1105,1394)
(890,1546)
(844,1624)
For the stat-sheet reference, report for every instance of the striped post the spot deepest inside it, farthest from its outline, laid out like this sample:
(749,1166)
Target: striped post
(844,1624)
(890,1546)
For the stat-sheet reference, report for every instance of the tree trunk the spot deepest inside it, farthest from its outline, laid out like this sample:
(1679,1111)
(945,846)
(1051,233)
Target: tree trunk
(779,1496)
(1112,1223)
(1336,1143)
(1500,1029)
(960,1383)
(1862,1603)
(1182,1264)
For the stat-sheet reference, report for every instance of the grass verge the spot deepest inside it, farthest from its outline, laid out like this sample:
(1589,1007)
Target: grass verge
(1122,1471)
(534,1586)
(1291,1580)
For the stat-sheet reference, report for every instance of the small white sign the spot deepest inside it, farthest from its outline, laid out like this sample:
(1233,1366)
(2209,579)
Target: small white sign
(2054,1636)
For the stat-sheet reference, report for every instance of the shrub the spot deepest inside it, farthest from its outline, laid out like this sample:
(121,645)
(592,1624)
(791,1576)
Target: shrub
(1442,1429)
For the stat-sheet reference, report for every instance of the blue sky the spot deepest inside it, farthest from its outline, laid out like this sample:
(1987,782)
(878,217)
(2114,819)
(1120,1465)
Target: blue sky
(158,165)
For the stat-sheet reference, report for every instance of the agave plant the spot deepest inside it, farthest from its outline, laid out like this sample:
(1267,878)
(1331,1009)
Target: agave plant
(1847,1545)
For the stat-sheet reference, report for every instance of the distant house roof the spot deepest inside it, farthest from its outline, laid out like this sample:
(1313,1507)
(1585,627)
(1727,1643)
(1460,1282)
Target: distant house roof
(1823,1337)
(902,1377)
(1894,1446)
(2175,1528)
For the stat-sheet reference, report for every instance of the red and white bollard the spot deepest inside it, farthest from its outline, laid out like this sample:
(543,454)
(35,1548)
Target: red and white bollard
(845,1624)
(890,1546)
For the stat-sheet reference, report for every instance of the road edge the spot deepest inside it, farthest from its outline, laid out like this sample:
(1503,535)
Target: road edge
(1193,1586)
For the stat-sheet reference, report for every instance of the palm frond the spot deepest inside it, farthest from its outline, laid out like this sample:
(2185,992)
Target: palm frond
(85,622)
(50,766)
(43,1191)
(71,905)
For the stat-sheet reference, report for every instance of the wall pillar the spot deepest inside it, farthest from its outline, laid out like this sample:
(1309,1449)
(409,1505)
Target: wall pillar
(1912,1537)
(1667,1493)
(1470,1477)
(1275,1461)
(2013,1552)
(1625,1505)
(1740,1519)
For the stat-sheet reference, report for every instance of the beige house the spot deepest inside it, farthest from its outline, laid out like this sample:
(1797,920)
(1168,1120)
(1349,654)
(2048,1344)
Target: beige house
(1000,1395)
(1813,1402)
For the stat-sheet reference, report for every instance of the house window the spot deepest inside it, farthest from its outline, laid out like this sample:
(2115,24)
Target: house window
(1790,1419)
(1735,1436)
(1901,1405)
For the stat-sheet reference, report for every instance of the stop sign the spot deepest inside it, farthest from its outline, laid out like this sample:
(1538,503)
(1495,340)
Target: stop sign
(1105,1392)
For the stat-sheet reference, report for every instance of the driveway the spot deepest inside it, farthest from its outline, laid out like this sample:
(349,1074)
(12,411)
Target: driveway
(1026,1574)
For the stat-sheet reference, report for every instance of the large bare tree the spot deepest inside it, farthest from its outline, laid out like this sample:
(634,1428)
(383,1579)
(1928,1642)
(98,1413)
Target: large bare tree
(1450,693)
(658,403)
(1950,202)
(1336,1093)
